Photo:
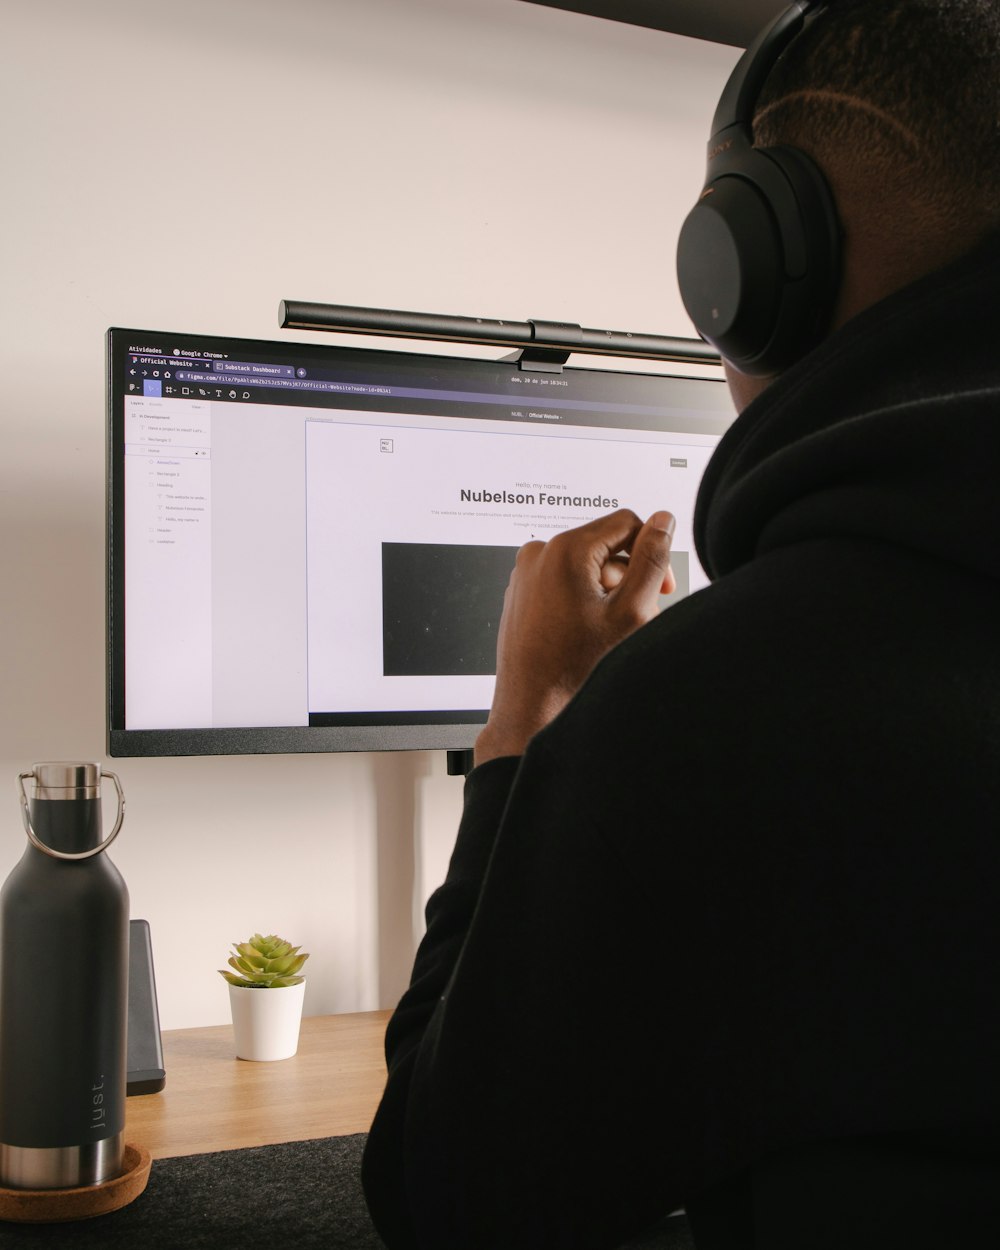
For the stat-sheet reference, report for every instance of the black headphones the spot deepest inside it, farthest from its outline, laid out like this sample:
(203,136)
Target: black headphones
(758,258)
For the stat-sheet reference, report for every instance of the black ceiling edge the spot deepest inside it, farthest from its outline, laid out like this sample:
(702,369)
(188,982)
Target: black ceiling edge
(733,22)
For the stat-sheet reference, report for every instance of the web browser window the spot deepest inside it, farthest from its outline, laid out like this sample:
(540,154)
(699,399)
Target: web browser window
(315,541)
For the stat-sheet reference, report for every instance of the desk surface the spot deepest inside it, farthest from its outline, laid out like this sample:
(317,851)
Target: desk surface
(214,1101)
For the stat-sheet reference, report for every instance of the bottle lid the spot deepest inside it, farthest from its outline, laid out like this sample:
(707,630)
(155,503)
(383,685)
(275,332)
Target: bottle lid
(66,780)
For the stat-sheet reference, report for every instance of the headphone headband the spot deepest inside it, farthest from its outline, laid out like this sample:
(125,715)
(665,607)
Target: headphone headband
(740,94)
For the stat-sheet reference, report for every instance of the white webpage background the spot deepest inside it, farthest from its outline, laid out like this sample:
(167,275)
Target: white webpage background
(258,565)
(400,480)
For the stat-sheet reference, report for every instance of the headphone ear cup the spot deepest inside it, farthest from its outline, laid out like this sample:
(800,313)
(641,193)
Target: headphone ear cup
(758,259)
(729,256)
(812,281)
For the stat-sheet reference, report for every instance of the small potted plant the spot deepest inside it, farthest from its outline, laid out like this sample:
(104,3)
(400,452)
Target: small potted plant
(266,1025)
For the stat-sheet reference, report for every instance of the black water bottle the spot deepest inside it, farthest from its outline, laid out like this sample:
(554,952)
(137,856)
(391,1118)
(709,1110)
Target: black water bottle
(64,932)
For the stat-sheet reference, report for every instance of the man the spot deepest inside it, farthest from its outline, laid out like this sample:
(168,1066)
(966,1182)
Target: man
(727,878)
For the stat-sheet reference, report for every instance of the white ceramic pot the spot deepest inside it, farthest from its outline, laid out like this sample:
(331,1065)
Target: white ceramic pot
(266,1022)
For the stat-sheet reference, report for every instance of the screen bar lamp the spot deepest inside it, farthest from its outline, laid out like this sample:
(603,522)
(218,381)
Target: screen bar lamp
(542,341)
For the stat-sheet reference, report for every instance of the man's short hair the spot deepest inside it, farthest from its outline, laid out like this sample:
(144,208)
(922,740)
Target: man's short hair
(908,88)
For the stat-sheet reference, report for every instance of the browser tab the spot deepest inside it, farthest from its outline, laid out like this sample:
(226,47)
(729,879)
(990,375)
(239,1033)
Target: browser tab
(255,369)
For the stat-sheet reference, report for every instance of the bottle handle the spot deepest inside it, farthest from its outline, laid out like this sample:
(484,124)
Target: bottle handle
(37,842)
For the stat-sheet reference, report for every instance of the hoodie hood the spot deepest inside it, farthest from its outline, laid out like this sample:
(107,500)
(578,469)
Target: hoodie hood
(889,431)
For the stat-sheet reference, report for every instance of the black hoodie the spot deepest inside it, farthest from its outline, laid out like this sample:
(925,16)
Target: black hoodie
(745,891)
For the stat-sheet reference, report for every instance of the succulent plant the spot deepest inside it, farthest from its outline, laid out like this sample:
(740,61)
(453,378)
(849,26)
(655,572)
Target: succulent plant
(265,963)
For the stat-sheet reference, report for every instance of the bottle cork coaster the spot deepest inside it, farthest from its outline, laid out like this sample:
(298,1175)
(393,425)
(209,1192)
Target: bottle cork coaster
(57,1206)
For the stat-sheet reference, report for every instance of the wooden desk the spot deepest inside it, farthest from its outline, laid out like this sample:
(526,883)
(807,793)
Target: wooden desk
(214,1101)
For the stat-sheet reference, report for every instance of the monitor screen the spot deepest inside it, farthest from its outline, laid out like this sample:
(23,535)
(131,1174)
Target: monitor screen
(309,545)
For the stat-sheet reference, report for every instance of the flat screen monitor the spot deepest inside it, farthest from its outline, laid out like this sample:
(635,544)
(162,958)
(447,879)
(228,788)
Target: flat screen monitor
(309,545)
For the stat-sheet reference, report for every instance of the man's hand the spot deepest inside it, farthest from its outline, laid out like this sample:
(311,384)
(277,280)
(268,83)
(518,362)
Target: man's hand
(570,601)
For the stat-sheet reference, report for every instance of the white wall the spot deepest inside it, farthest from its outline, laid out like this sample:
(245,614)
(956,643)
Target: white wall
(184,167)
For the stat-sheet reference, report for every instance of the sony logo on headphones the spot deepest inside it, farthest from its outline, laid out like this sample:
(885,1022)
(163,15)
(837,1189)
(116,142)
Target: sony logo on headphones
(719,149)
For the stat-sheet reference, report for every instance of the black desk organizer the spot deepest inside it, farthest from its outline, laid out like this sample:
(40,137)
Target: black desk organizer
(146,1074)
